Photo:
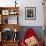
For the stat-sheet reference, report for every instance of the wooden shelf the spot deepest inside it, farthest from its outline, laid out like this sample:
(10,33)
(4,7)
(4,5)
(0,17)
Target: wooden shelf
(11,26)
(3,8)
(10,43)
(9,9)
(4,13)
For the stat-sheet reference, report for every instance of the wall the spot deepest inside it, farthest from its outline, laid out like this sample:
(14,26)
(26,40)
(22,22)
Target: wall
(39,13)
(27,3)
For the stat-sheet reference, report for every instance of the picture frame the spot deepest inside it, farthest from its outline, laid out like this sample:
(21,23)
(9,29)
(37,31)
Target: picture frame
(5,12)
(30,13)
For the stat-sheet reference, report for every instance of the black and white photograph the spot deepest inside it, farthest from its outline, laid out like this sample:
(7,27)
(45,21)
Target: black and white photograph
(30,13)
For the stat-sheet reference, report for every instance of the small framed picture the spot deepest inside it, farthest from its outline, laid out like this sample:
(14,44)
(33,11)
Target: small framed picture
(5,12)
(30,13)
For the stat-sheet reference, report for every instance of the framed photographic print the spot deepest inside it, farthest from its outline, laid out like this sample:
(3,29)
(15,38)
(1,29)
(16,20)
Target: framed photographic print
(30,13)
(5,12)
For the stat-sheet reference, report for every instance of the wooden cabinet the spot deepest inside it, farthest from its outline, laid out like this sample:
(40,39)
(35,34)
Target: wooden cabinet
(44,6)
(44,36)
(7,26)
(0,43)
(6,12)
(10,43)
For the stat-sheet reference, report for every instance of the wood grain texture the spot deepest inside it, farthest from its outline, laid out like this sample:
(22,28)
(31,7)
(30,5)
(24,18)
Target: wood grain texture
(11,26)
(44,6)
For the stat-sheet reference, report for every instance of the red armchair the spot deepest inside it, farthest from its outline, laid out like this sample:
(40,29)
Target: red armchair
(29,36)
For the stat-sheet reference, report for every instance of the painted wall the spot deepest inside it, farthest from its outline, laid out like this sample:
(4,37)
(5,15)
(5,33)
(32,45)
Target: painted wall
(26,3)
(39,13)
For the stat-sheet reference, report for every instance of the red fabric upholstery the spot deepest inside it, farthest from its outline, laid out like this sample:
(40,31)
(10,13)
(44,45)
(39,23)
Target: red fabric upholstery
(29,33)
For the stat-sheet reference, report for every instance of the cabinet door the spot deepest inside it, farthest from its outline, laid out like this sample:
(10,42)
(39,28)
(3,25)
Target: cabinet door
(44,2)
(0,19)
(10,44)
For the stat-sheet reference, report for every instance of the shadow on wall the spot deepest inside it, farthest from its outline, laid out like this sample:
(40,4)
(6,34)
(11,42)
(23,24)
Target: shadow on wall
(37,29)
